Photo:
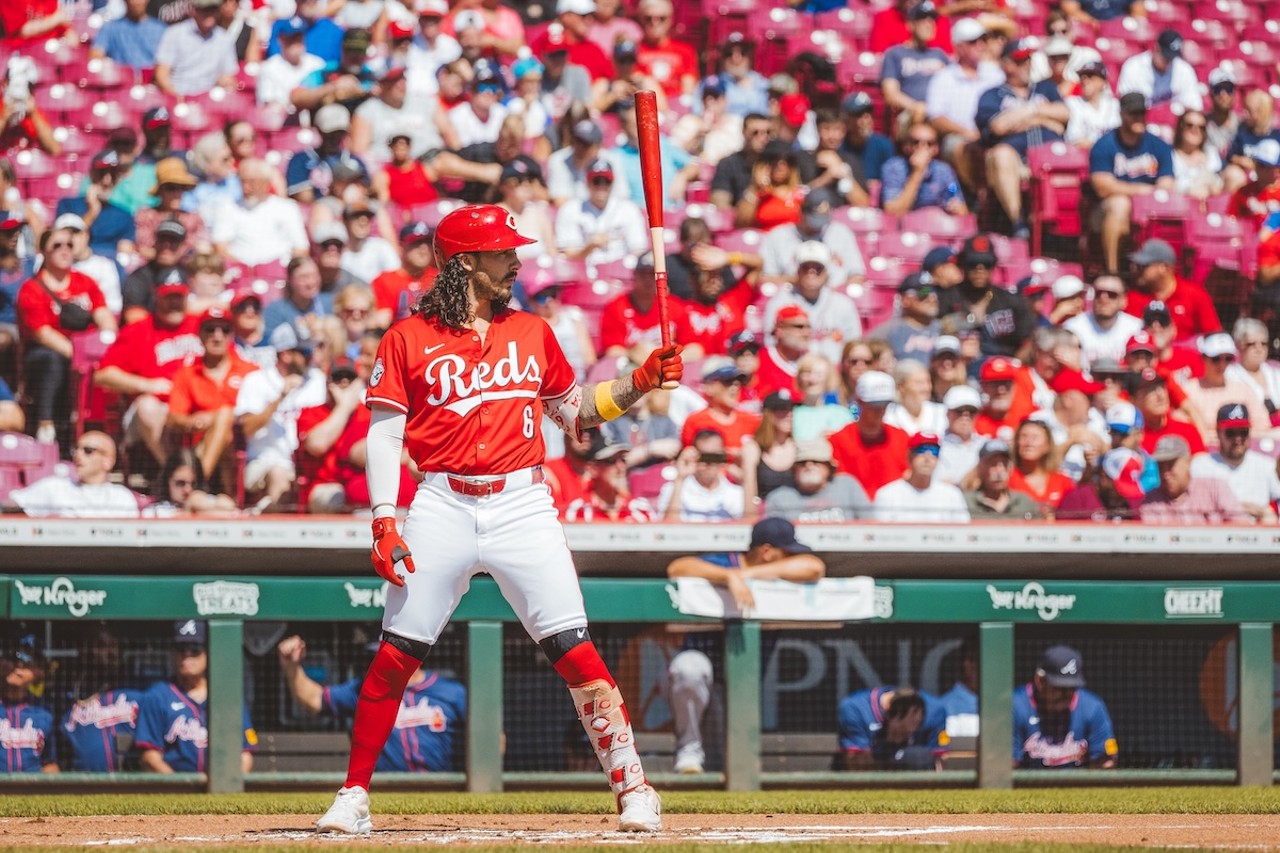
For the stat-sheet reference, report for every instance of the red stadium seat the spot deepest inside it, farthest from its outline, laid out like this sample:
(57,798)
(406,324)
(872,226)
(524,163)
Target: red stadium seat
(1162,215)
(743,240)
(885,272)
(940,225)
(1130,29)
(718,220)
(432,212)
(1057,172)
(865,220)
(647,482)
(909,247)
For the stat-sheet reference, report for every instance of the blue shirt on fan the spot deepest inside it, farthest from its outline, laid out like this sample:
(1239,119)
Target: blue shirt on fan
(430,714)
(1084,736)
(1003,98)
(1145,163)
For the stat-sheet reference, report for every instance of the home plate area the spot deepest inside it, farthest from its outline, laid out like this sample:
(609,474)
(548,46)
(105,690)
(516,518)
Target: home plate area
(1238,832)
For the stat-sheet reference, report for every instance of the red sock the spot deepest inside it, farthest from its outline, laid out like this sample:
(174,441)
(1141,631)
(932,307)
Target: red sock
(581,664)
(376,711)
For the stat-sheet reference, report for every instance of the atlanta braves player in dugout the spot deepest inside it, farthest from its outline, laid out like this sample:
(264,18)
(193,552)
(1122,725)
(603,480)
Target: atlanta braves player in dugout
(464,382)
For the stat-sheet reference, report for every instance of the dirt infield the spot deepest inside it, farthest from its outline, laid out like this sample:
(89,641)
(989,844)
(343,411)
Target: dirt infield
(1240,832)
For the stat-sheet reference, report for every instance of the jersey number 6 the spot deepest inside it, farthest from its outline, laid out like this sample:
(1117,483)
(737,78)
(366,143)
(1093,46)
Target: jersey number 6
(528,422)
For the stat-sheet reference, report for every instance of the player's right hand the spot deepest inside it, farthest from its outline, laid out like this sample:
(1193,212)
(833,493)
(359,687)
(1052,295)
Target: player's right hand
(389,549)
(662,366)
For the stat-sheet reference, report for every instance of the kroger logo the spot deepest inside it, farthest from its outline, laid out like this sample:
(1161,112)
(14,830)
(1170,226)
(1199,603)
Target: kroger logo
(1031,597)
(1184,603)
(226,598)
(61,592)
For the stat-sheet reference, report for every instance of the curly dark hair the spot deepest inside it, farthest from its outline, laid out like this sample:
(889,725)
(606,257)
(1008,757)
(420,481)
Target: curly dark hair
(449,297)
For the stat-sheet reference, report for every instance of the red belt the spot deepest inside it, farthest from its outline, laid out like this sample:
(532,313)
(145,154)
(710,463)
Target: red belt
(485,488)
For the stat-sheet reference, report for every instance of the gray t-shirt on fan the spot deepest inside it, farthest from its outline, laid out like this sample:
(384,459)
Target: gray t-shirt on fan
(843,499)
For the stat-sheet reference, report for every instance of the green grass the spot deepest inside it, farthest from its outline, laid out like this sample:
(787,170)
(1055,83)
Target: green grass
(1179,800)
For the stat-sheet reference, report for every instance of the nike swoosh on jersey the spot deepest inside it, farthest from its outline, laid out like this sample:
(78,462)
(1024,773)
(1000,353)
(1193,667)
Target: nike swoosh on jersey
(465,406)
(429,350)
(176,706)
(582,632)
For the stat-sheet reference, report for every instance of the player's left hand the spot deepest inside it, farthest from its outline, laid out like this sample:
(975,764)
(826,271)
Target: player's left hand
(388,549)
(661,367)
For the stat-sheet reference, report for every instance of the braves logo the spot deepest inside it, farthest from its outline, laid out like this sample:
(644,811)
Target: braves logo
(487,382)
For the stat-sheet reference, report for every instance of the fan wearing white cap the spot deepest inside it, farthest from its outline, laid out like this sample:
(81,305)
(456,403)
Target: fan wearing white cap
(1218,387)
(1179,85)
(833,317)
(869,450)
(961,442)
(951,101)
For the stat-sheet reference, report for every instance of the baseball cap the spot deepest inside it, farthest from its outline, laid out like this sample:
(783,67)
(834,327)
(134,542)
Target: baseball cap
(938,256)
(328,232)
(967,30)
(356,40)
(1170,448)
(713,86)
(1058,46)
(606,451)
(1217,344)
(818,203)
(995,447)
(155,118)
(343,369)
(1156,312)
(28,650)
(779,533)
(285,337)
(1067,286)
(1133,103)
(575,7)
(625,51)
(414,232)
(1222,78)
(1092,69)
(1106,366)
(1073,380)
(215,314)
(542,279)
(961,397)
(1169,43)
(13,222)
(875,387)
(914,283)
(920,11)
(794,109)
(587,132)
(600,167)
(554,41)
(398,30)
(359,207)
(392,74)
(1154,251)
(240,301)
(516,169)
(347,170)
(1061,666)
(431,8)
(526,65)
(1140,342)
(814,450)
(1150,378)
(1019,50)
(468,19)
(104,160)
(921,441)
(737,38)
(721,369)
(1031,286)
(1123,418)
(70,221)
(332,118)
(173,171)
(783,83)
(190,632)
(645,262)
(291,27)
(789,312)
(176,287)
(744,340)
(944,344)
(1267,152)
(998,369)
(978,249)
(171,228)
(782,400)
(860,102)
(1233,415)
(813,252)
(1124,467)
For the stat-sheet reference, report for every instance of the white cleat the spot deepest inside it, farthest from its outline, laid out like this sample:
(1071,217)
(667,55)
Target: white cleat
(641,811)
(349,813)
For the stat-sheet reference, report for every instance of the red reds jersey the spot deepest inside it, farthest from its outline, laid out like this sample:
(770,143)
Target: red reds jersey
(36,309)
(712,325)
(774,374)
(147,350)
(474,406)
(667,62)
(624,325)
(872,465)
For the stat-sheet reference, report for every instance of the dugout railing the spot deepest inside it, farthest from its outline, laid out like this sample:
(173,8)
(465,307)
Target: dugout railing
(1239,612)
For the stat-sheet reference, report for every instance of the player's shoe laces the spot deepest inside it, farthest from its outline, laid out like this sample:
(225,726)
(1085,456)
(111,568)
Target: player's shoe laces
(349,813)
(641,810)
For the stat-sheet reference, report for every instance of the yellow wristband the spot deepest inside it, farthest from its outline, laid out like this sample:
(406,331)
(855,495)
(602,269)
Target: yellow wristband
(604,402)
(735,258)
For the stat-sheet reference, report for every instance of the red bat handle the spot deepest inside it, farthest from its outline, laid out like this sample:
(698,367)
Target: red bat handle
(651,174)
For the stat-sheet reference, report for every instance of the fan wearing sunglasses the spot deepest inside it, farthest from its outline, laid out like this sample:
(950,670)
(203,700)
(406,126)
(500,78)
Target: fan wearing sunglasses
(917,178)
(93,495)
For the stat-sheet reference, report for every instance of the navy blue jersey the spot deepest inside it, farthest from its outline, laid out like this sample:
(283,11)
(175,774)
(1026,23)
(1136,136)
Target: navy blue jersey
(1145,163)
(861,722)
(1087,735)
(430,714)
(178,726)
(26,738)
(1246,141)
(1002,99)
(91,728)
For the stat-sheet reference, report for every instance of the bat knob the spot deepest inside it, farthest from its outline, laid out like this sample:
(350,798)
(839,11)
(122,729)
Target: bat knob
(670,385)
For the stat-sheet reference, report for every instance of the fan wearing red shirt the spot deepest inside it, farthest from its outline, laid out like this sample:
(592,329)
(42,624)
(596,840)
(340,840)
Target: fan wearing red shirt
(715,313)
(632,318)
(778,362)
(869,450)
(1188,304)
(1260,197)
(24,21)
(395,291)
(889,29)
(722,383)
(570,30)
(202,400)
(1008,389)
(1152,399)
(142,362)
(1141,354)
(672,63)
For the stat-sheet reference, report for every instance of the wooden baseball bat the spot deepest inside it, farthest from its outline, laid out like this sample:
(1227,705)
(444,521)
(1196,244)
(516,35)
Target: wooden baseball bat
(651,174)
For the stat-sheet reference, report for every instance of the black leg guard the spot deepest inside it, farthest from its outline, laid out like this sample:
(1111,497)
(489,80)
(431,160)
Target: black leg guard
(414,648)
(559,645)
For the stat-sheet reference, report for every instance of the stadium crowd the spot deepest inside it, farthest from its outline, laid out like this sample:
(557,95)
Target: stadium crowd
(212,209)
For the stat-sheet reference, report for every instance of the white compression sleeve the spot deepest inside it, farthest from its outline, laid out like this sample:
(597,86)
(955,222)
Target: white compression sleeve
(382,460)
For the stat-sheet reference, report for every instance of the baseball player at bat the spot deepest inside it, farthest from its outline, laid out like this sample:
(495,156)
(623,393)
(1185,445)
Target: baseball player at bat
(463,383)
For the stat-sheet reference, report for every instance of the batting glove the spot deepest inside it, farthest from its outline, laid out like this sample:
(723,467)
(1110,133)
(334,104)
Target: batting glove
(662,366)
(389,549)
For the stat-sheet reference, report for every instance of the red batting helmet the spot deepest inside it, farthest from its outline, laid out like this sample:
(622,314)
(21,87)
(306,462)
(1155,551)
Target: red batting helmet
(477,228)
